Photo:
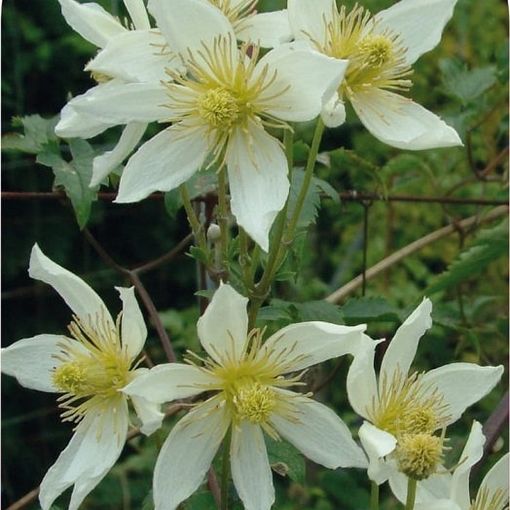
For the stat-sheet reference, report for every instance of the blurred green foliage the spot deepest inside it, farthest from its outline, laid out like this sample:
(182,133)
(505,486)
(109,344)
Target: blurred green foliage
(464,79)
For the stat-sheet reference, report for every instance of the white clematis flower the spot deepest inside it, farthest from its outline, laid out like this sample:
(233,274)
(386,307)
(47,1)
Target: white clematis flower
(220,108)
(380,50)
(451,491)
(251,396)
(399,406)
(87,369)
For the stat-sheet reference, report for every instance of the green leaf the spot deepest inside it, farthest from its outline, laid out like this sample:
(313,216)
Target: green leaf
(311,203)
(74,176)
(327,189)
(37,133)
(199,254)
(203,500)
(490,245)
(172,202)
(148,501)
(286,460)
(318,311)
(369,309)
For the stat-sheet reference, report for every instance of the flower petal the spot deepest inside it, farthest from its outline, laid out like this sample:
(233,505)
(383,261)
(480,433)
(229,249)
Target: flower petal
(304,81)
(170,381)
(251,472)
(462,384)
(133,329)
(137,56)
(82,300)
(301,345)
(419,23)
(103,165)
(267,29)
(257,172)
(497,478)
(92,451)
(187,454)
(318,432)
(400,353)
(399,122)
(32,360)
(148,411)
(377,444)
(138,13)
(309,20)
(223,328)
(163,163)
(333,112)
(91,21)
(428,492)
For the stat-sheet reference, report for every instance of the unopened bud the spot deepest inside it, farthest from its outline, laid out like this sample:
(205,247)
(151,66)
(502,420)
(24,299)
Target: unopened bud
(213,233)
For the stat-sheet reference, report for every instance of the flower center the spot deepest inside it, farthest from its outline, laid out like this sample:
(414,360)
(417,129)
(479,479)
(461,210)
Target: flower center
(254,402)
(487,499)
(376,50)
(219,108)
(418,455)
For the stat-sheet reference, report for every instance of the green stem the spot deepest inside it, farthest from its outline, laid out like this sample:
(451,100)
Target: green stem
(196,227)
(225,472)
(374,497)
(244,259)
(411,494)
(223,217)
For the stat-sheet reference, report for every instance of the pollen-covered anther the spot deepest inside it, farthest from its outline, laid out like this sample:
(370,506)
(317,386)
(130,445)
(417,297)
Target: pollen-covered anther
(69,377)
(375,50)
(254,402)
(219,108)
(419,455)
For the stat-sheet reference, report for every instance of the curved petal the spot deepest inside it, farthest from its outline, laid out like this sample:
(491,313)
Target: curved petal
(133,329)
(361,378)
(298,346)
(79,125)
(103,165)
(92,451)
(400,353)
(308,20)
(187,454)
(179,19)
(170,381)
(223,328)
(304,81)
(163,163)
(399,122)
(148,411)
(377,444)
(257,173)
(267,29)
(318,432)
(428,492)
(138,13)
(333,112)
(462,384)
(32,361)
(497,479)
(82,300)
(91,21)
(125,102)
(251,472)
(419,23)
(472,453)
(135,56)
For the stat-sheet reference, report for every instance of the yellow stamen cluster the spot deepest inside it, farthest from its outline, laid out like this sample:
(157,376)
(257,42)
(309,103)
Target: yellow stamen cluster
(419,455)
(490,500)
(235,11)
(92,373)
(376,50)
(254,402)
(218,107)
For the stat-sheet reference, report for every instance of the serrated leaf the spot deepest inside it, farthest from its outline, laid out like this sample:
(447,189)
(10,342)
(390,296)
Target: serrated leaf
(37,133)
(327,189)
(311,203)
(369,309)
(286,460)
(272,313)
(318,311)
(198,254)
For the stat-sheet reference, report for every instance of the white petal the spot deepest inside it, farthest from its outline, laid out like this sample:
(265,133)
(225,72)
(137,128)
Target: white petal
(333,112)
(361,378)
(187,454)
(268,29)
(419,23)
(472,453)
(82,300)
(32,361)
(428,492)
(91,21)
(377,444)
(92,451)
(400,353)
(399,122)
(179,19)
(308,20)
(135,56)
(148,411)
(79,125)
(439,504)
(163,163)
(138,13)
(223,328)
(304,81)
(133,329)
(257,172)
(251,472)
(318,432)
(497,478)
(302,345)
(170,381)
(126,102)
(462,384)
(103,165)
